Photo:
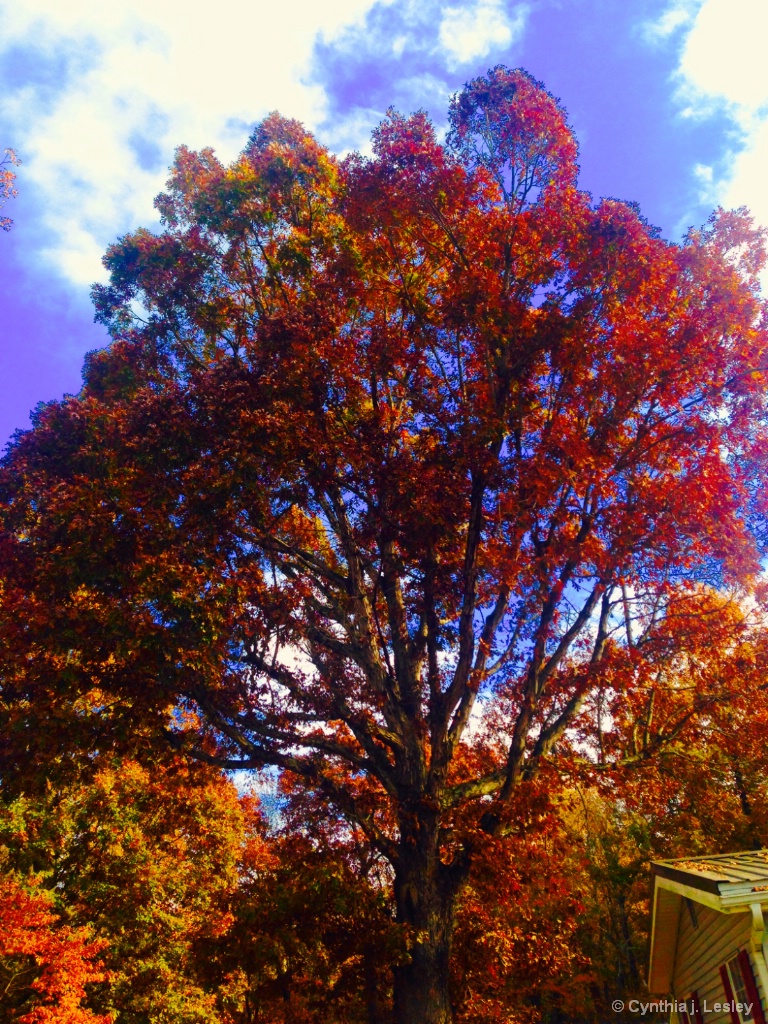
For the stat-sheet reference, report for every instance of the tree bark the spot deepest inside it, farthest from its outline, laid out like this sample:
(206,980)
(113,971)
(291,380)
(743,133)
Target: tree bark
(746,805)
(426,892)
(371,985)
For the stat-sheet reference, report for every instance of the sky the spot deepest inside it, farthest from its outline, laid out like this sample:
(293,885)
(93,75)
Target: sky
(668,99)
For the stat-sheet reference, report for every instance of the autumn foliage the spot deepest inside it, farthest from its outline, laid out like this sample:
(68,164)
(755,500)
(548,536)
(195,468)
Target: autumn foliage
(44,964)
(434,486)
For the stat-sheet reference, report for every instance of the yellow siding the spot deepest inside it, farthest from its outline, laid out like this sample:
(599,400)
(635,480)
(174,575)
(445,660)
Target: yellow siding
(666,924)
(701,951)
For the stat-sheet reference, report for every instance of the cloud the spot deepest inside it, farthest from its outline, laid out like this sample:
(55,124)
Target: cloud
(412,55)
(679,14)
(722,67)
(723,55)
(98,96)
(469,32)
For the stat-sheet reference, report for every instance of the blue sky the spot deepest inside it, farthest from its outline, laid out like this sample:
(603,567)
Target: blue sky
(669,100)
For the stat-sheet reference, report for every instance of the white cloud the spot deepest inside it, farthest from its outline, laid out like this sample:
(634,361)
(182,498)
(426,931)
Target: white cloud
(398,45)
(104,92)
(678,14)
(747,183)
(146,75)
(469,32)
(723,67)
(724,53)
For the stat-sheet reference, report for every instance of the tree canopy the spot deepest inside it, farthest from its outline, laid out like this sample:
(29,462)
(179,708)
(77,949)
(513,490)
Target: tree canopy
(423,478)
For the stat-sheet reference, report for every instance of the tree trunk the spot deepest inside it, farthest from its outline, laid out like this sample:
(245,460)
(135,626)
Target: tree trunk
(371,985)
(746,805)
(426,892)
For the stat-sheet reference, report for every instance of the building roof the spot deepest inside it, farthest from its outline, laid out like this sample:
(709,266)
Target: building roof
(734,877)
(727,882)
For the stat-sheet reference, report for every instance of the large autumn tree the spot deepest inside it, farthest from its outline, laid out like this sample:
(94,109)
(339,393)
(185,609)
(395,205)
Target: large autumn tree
(390,467)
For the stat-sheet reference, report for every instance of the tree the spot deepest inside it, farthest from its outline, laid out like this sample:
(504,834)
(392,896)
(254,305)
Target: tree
(702,794)
(44,964)
(312,938)
(7,178)
(149,858)
(381,457)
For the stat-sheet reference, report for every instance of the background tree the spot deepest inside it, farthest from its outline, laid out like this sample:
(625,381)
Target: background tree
(7,178)
(45,965)
(149,859)
(384,449)
(313,937)
(702,794)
